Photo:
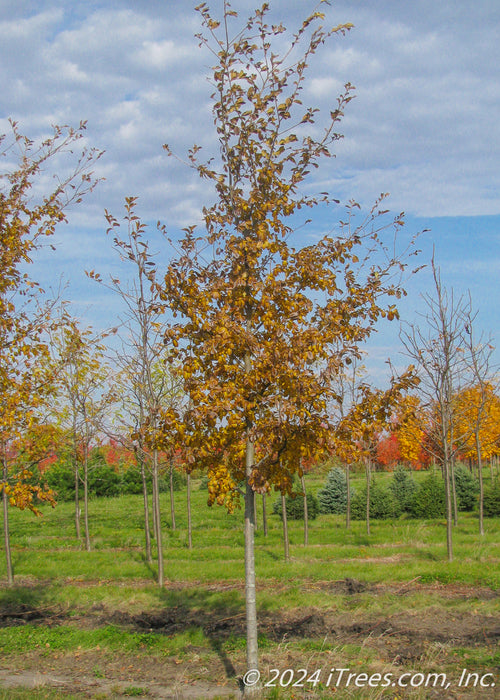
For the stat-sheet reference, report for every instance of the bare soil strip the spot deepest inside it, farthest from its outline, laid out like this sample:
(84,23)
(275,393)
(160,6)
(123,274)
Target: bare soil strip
(400,641)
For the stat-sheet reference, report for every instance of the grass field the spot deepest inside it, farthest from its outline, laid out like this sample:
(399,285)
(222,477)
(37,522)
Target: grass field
(96,625)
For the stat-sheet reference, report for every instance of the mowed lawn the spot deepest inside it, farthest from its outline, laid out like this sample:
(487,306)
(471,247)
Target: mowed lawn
(399,550)
(333,602)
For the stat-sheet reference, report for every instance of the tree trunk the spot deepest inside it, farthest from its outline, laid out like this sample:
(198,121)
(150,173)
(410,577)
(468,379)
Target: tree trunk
(6,528)
(252,655)
(77,479)
(449,508)
(348,508)
(264,514)
(306,518)
(286,542)
(190,527)
(446,468)
(156,507)
(172,503)
(368,475)
(481,485)
(147,532)
(86,500)
(454,492)
(77,502)
(153,508)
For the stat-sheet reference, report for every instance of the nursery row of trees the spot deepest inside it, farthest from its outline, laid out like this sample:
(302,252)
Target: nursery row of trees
(237,351)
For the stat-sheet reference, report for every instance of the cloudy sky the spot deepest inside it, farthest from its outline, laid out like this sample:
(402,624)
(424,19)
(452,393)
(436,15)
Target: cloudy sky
(424,126)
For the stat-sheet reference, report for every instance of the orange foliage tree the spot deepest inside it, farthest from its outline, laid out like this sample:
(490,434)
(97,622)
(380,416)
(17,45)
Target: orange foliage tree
(26,220)
(263,327)
(478,419)
(356,436)
(474,403)
(409,432)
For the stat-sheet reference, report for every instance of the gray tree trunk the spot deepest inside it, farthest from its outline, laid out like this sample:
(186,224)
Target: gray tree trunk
(86,499)
(6,527)
(286,541)
(77,474)
(454,492)
(481,485)
(156,507)
(368,476)
(147,532)
(190,527)
(77,502)
(446,419)
(172,502)
(348,509)
(153,508)
(264,514)
(306,515)
(449,506)
(252,655)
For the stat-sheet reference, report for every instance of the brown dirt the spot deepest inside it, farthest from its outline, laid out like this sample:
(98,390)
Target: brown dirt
(401,641)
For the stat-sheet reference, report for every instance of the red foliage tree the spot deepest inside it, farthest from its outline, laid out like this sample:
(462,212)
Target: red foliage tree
(388,452)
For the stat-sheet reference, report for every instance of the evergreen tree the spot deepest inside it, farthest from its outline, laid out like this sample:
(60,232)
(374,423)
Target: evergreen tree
(383,504)
(295,507)
(492,501)
(333,497)
(403,487)
(467,488)
(429,500)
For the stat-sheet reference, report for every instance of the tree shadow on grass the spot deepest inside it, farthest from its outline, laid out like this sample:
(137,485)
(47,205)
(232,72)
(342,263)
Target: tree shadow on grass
(148,565)
(23,603)
(219,614)
(274,555)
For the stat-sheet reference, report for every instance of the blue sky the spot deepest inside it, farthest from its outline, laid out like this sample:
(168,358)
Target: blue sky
(424,126)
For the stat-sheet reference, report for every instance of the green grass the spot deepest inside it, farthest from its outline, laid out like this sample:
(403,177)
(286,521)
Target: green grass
(15,640)
(55,575)
(46,548)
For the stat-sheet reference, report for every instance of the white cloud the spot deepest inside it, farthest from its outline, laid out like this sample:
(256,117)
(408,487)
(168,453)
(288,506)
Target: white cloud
(33,28)
(158,54)
(423,117)
(424,125)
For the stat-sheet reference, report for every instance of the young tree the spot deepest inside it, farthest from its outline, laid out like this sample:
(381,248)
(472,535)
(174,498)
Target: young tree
(438,349)
(83,402)
(27,219)
(149,386)
(479,407)
(264,327)
(367,419)
(341,445)
(128,418)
